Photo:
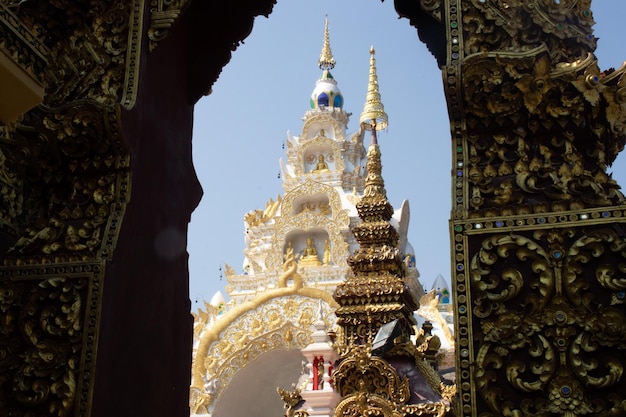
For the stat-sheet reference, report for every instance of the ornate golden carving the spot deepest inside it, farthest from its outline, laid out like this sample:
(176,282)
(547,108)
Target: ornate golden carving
(83,224)
(81,185)
(47,337)
(98,58)
(199,401)
(19,42)
(561,341)
(324,133)
(65,169)
(376,295)
(536,219)
(361,372)
(258,217)
(512,167)
(337,121)
(291,399)
(315,144)
(279,318)
(532,97)
(331,217)
(369,385)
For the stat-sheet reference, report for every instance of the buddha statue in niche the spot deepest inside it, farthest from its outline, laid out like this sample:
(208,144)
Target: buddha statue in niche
(321,165)
(309,255)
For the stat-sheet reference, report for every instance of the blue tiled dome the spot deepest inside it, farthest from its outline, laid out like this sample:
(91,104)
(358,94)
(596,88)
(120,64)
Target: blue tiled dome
(326,93)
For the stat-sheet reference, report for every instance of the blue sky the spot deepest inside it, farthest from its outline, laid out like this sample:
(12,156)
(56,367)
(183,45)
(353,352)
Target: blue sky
(264,92)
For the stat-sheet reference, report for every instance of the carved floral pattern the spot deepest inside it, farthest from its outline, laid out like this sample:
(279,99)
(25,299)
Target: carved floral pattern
(42,336)
(369,385)
(549,320)
(550,157)
(536,234)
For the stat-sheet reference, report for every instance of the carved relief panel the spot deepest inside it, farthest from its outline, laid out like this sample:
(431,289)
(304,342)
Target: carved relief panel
(537,227)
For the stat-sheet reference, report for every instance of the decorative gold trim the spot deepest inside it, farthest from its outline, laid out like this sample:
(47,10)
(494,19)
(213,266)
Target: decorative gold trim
(369,385)
(335,118)
(57,334)
(19,43)
(373,115)
(133,54)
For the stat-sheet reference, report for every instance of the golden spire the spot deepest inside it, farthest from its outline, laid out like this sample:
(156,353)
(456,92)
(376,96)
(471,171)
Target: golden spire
(373,116)
(326,61)
(376,293)
(374,183)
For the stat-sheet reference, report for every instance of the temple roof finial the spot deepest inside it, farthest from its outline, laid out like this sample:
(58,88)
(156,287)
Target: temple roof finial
(373,116)
(326,61)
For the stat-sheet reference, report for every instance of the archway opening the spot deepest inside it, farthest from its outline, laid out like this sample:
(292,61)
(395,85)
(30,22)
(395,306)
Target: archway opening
(280,104)
(252,391)
(241,129)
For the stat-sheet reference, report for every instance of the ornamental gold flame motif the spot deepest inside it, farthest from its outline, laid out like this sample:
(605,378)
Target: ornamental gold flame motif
(537,230)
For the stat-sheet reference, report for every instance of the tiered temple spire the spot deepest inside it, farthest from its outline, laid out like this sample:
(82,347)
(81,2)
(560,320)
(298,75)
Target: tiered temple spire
(326,94)
(377,300)
(326,61)
(376,294)
(373,116)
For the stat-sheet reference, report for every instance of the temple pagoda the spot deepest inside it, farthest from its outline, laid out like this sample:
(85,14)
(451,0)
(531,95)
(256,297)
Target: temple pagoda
(296,255)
